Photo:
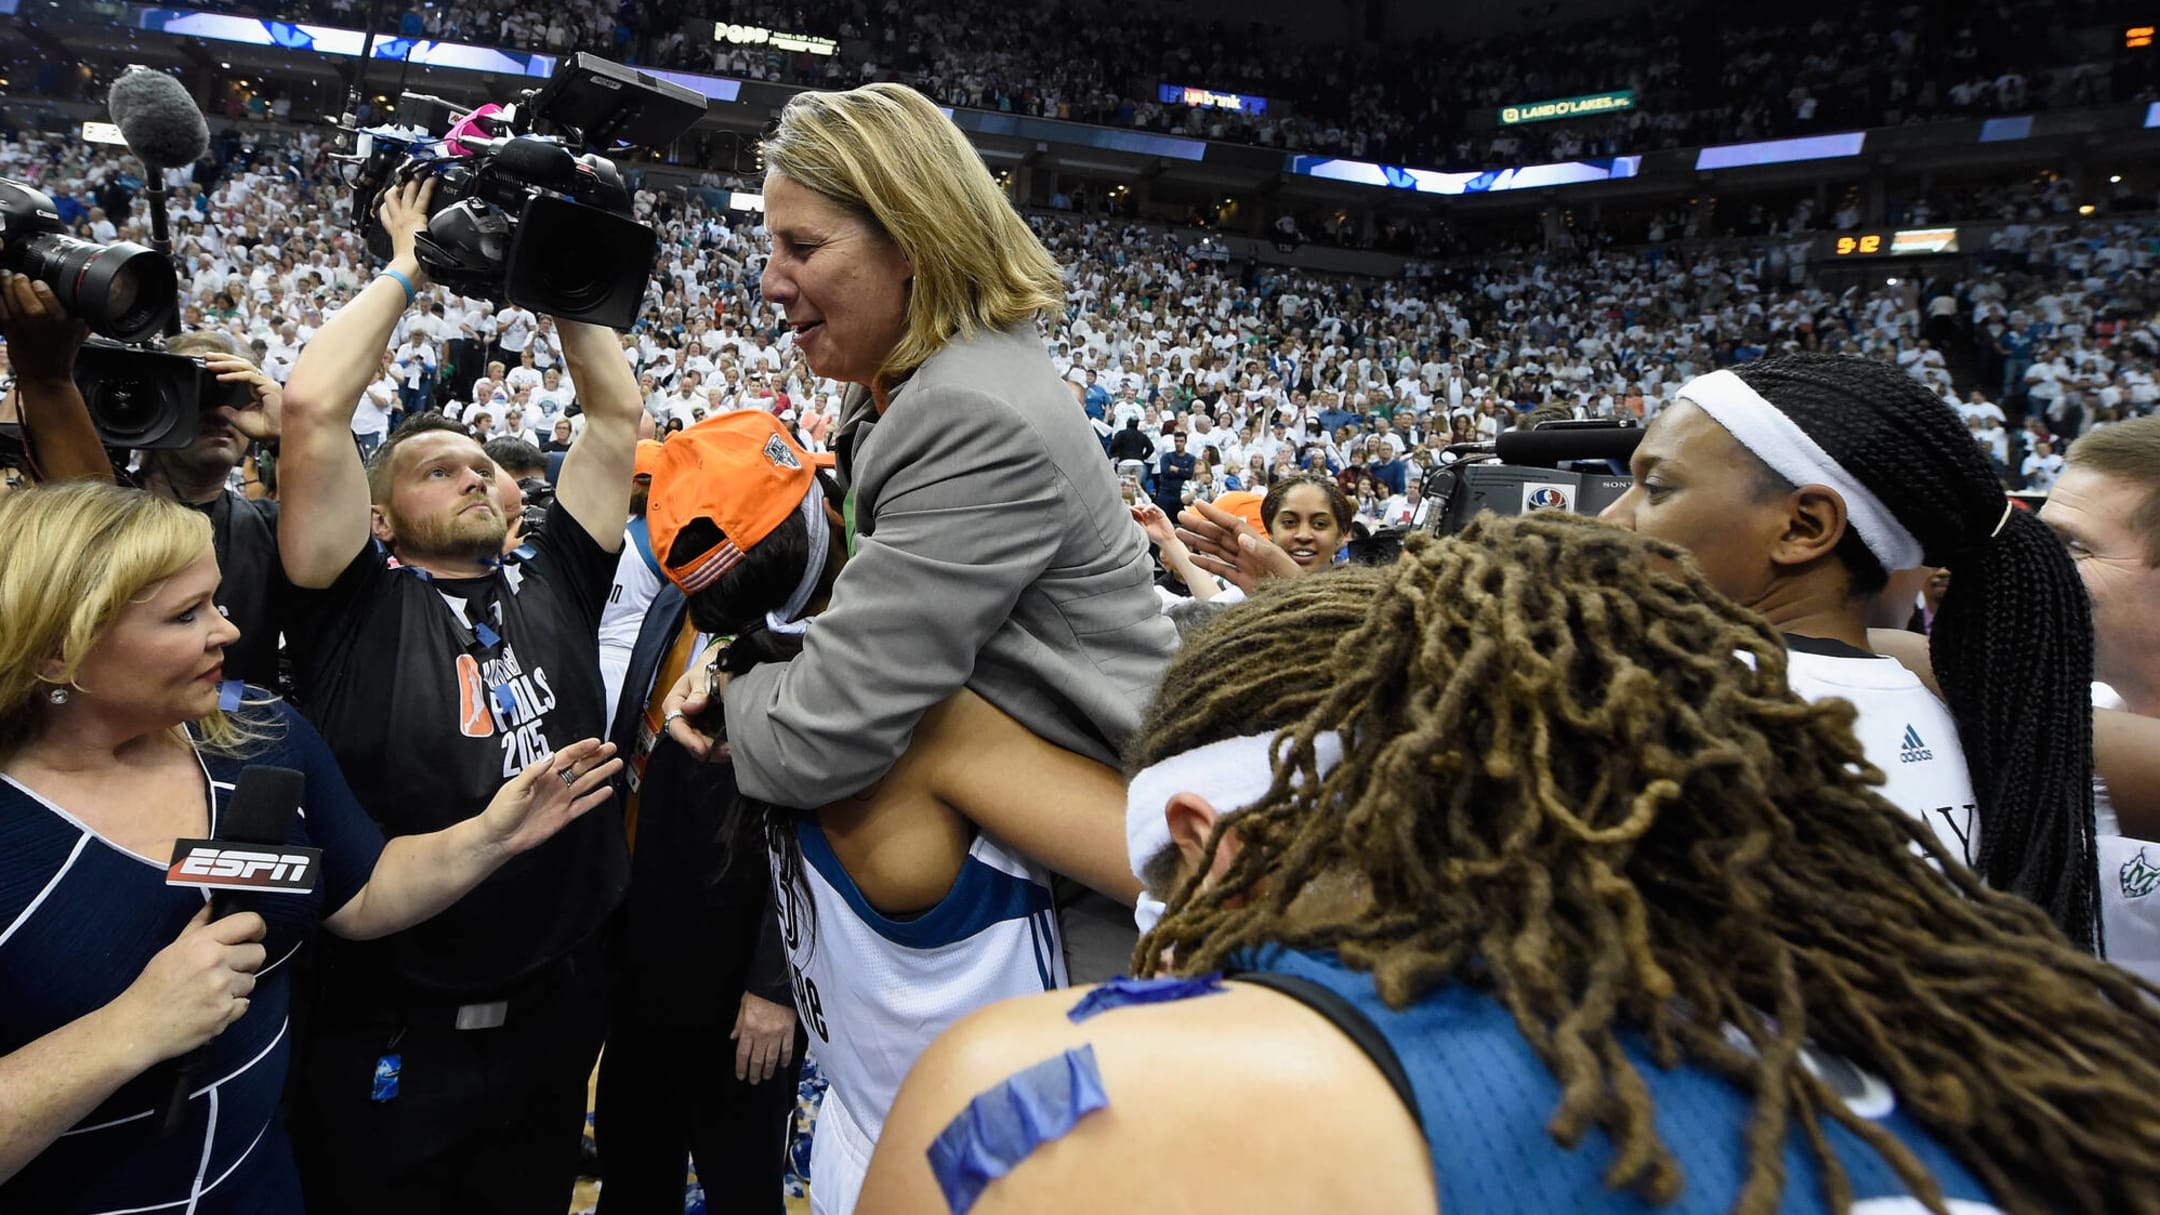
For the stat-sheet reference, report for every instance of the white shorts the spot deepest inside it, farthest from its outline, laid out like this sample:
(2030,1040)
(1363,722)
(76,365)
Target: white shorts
(839,1159)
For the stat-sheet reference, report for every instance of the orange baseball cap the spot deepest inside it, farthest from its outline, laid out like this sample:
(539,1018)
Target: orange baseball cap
(648,457)
(1245,504)
(718,489)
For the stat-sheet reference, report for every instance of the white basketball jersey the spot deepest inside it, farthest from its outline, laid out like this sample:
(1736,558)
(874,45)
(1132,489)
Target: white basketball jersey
(2129,878)
(1904,729)
(873,992)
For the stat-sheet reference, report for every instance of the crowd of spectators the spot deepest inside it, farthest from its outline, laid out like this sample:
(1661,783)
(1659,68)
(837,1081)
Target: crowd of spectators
(2042,335)
(1701,74)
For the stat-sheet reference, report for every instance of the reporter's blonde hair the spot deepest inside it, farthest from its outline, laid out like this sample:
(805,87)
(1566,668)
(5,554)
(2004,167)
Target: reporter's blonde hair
(77,552)
(884,152)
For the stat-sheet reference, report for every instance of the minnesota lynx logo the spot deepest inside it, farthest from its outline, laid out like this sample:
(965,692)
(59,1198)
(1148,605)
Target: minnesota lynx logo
(2139,877)
(776,450)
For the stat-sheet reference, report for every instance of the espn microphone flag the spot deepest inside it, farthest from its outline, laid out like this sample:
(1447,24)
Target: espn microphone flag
(249,854)
(217,866)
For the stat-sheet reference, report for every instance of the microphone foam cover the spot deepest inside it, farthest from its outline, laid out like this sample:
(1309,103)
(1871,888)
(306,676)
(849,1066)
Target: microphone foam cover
(158,118)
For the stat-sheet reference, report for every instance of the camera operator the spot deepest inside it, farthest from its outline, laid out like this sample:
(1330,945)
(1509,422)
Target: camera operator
(429,663)
(253,592)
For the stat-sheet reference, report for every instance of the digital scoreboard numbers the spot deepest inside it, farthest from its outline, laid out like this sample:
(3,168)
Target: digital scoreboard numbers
(1907,242)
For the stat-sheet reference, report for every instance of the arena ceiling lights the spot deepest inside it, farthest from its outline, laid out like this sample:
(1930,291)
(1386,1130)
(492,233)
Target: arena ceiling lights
(1780,151)
(331,40)
(1489,181)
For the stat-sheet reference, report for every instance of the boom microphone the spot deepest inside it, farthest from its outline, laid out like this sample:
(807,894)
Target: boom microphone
(1548,446)
(165,130)
(264,802)
(157,117)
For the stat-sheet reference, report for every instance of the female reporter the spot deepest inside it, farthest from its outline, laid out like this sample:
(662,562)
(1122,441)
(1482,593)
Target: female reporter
(119,737)
(989,548)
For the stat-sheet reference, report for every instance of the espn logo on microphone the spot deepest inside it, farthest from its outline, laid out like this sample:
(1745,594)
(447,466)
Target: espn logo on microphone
(213,865)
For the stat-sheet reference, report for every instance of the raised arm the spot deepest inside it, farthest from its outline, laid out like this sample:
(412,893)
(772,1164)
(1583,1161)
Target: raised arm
(322,485)
(595,482)
(41,343)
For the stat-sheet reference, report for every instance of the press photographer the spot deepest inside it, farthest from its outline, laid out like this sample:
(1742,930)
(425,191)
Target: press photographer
(434,667)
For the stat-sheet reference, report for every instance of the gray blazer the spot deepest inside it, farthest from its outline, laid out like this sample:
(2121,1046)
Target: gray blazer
(993,552)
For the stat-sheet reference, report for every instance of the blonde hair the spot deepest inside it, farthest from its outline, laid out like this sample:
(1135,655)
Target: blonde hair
(77,553)
(884,152)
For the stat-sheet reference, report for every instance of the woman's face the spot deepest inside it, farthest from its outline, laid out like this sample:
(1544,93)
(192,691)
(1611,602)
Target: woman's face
(1305,527)
(161,661)
(842,284)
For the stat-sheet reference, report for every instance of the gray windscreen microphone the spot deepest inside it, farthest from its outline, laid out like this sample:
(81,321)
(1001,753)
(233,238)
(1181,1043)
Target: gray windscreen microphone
(160,121)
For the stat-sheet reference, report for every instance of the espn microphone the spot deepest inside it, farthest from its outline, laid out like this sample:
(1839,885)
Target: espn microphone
(248,855)
(1548,446)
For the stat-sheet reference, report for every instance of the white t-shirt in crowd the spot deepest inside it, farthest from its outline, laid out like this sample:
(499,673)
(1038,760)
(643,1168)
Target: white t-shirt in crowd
(372,415)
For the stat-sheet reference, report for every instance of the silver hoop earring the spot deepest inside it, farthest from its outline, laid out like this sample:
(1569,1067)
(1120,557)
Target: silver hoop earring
(58,696)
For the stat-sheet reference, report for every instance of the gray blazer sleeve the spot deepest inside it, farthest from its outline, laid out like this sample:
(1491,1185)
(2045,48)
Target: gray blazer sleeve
(967,502)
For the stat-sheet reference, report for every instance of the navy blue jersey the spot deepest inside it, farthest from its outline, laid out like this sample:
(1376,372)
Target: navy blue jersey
(1485,1100)
(79,919)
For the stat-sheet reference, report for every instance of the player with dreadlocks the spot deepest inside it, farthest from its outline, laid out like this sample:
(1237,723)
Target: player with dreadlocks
(1799,483)
(1551,896)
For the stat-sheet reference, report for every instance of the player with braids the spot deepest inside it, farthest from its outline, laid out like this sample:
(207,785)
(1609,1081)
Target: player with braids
(1611,915)
(1799,483)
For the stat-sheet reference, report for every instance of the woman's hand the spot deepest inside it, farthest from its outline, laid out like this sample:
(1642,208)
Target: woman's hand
(699,691)
(261,420)
(192,990)
(549,795)
(764,1037)
(1227,546)
(1156,525)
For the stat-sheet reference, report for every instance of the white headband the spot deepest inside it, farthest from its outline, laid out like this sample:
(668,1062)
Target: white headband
(1790,452)
(813,513)
(1231,774)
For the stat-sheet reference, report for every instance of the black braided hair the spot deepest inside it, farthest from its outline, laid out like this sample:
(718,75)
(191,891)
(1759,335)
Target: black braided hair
(2013,643)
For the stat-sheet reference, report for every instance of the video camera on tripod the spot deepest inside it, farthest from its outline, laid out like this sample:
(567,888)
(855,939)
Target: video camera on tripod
(522,216)
(1520,471)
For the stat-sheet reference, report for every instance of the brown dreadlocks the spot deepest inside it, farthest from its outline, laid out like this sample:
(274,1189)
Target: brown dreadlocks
(1561,784)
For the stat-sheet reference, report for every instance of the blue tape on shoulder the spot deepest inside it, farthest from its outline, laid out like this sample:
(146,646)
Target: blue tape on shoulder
(228,697)
(1121,991)
(1002,1126)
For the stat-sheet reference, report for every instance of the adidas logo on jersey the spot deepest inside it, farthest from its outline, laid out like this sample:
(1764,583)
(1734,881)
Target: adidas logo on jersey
(1913,750)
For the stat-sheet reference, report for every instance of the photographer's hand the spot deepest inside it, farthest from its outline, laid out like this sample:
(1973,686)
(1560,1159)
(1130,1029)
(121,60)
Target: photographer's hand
(260,421)
(404,214)
(42,340)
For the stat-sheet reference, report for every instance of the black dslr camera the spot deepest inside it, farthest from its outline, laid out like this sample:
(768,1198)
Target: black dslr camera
(139,396)
(520,215)
(122,290)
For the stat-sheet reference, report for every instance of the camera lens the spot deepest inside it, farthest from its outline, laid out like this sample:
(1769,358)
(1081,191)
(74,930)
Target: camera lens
(128,408)
(121,290)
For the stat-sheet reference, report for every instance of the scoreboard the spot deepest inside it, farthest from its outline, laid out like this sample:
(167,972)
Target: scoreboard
(1904,242)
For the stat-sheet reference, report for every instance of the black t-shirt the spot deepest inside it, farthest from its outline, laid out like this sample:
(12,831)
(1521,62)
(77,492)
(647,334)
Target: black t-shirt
(433,692)
(252,590)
